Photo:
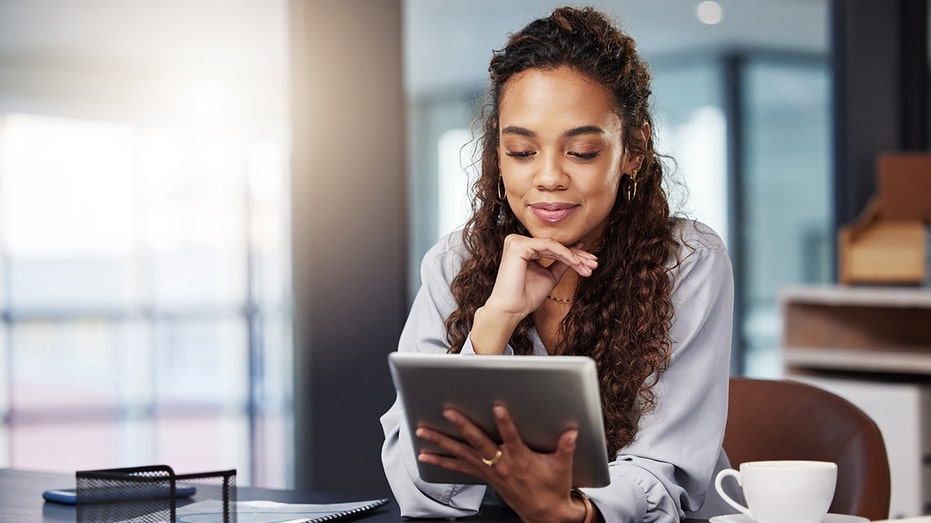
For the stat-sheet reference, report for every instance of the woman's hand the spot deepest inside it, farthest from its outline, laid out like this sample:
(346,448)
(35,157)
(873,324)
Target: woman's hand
(537,486)
(523,282)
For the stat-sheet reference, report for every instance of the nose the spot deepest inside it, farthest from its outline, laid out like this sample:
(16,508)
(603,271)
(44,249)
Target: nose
(551,176)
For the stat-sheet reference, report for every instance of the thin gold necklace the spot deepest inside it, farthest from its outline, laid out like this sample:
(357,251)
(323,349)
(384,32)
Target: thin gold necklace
(560,300)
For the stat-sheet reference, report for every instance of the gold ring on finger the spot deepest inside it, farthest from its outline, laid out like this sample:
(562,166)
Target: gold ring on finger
(491,462)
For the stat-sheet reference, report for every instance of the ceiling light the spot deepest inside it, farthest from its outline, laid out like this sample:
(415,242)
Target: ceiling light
(709,12)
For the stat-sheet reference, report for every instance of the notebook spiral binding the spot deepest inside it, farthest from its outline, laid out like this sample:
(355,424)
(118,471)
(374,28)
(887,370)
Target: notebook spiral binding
(347,513)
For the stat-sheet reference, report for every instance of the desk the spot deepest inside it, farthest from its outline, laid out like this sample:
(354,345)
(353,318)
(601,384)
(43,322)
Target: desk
(21,501)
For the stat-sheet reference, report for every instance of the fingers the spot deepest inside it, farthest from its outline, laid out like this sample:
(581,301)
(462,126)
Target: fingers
(566,446)
(451,454)
(530,269)
(447,462)
(565,452)
(506,427)
(512,468)
(475,447)
(483,445)
(515,446)
(574,257)
(478,455)
(588,262)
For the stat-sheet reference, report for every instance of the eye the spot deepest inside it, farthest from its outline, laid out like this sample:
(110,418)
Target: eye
(584,156)
(521,154)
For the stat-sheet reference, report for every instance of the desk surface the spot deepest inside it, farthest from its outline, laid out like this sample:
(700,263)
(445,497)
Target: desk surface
(21,500)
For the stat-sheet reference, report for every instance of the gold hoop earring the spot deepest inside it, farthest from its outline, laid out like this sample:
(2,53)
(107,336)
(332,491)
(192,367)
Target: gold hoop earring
(500,188)
(632,186)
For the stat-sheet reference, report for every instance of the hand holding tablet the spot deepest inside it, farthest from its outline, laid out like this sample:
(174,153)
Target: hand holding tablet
(545,396)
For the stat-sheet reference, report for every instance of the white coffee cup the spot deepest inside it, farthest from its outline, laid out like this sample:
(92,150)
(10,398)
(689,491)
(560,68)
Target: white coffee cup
(783,491)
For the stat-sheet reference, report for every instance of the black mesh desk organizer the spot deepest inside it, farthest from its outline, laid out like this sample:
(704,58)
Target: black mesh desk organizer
(150,494)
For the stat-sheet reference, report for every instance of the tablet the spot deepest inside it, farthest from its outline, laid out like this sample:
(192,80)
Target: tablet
(546,395)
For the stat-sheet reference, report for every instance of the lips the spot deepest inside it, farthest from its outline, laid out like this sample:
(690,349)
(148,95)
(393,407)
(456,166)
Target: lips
(553,212)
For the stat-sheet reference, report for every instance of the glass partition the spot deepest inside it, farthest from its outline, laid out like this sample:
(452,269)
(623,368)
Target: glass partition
(787,230)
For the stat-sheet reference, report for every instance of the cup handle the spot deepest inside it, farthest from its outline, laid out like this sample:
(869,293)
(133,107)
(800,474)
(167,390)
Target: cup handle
(717,486)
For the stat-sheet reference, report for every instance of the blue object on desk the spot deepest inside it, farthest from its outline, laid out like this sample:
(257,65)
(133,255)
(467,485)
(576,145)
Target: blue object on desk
(69,496)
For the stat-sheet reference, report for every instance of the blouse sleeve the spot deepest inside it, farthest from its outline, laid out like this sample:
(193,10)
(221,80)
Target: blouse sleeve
(665,472)
(425,331)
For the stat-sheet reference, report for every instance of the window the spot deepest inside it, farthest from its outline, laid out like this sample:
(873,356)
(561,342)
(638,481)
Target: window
(691,128)
(456,155)
(787,194)
(143,285)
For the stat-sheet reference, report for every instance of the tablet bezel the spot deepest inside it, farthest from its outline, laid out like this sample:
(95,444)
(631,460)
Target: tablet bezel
(546,395)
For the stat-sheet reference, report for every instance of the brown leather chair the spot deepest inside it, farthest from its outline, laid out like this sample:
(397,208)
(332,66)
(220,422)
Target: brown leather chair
(782,419)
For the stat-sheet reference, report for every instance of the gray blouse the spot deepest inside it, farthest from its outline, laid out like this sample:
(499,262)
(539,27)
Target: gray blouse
(667,472)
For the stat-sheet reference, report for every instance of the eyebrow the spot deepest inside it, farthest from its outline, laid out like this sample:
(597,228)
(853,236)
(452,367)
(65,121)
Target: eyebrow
(578,131)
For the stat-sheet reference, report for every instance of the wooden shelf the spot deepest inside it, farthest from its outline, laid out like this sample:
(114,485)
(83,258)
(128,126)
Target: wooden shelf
(858,360)
(886,329)
(856,295)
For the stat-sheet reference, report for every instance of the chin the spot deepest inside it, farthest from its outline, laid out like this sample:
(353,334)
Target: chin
(563,238)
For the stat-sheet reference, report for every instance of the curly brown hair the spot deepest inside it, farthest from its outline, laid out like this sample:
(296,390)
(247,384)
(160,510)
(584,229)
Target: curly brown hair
(621,314)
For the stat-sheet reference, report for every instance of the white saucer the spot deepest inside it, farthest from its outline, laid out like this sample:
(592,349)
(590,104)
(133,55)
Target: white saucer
(829,518)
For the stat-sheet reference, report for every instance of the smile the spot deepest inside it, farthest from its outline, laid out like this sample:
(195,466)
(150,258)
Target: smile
(553,212)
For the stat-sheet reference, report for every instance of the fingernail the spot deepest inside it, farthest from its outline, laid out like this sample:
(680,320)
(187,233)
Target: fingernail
(449,415)
(499,411)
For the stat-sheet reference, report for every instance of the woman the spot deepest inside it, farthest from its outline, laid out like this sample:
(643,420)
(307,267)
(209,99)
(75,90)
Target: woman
(571,250)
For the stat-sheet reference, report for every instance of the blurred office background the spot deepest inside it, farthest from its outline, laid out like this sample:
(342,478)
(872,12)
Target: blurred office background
(144,237)
(163,212)
(741,102)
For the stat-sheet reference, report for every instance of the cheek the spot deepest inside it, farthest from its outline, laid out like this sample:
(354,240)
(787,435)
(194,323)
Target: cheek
(512,189)
(609,189)
(510,184)
(515,177)
(612,182)
(610,196)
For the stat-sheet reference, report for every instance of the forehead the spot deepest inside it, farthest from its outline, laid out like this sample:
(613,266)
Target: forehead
(542,94)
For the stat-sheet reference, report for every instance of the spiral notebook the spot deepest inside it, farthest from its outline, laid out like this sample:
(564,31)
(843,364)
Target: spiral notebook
(275,512)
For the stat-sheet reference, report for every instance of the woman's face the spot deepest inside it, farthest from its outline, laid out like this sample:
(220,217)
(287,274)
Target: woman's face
(561,154)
